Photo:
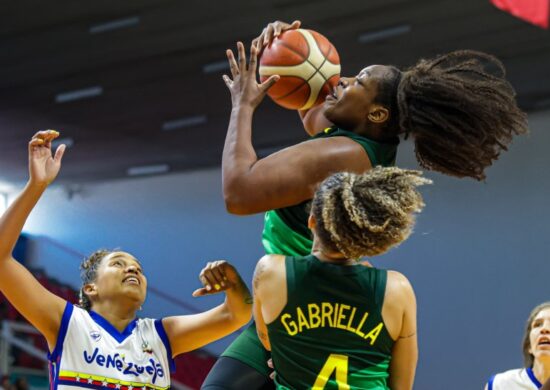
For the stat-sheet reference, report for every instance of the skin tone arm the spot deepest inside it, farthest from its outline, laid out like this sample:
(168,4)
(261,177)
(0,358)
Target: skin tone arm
(187,333)
(288,177)
(270,294)
(314,121)
(39,306)
(400,312)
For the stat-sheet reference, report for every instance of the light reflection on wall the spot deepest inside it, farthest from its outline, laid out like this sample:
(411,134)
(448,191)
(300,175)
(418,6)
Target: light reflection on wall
(3,202)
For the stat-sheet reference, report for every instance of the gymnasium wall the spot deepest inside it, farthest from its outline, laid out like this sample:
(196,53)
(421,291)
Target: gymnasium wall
(479,258)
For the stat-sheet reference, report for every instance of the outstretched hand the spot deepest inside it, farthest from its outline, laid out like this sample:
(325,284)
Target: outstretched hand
(216,277)
(244,88)
(43,166)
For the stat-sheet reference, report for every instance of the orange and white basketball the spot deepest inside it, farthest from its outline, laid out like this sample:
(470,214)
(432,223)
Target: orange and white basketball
(308,64)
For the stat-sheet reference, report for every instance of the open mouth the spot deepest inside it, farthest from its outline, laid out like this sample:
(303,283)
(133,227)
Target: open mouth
(332,96)
(131,280)
(544,341)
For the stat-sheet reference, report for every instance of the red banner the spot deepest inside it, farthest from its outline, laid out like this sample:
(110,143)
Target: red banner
(536,12)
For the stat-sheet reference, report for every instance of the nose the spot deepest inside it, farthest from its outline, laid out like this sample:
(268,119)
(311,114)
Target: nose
(343,82)
(545,327)
(131,269)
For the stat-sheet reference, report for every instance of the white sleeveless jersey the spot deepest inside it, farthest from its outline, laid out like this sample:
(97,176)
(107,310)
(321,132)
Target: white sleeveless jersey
(518,379)
(91,354)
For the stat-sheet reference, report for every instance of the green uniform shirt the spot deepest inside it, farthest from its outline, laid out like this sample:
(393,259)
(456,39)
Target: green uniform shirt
(285,230)
(331,335)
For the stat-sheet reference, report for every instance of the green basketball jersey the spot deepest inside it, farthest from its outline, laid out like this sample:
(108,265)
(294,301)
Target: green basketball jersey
(330,334)
(285,230)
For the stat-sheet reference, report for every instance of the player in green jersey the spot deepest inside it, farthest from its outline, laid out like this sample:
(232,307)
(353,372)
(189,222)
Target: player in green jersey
(458,108)
(329,321)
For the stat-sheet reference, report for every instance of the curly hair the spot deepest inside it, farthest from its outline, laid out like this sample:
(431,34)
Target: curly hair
(367,214)
(528,358)
(88,274)
(459,109)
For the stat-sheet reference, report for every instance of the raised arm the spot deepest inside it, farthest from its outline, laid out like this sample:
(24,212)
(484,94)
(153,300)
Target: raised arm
(39,306)
(190,332)
(400,307)
(252,185)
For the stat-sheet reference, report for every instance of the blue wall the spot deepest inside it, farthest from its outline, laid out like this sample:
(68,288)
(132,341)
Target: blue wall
(478,258)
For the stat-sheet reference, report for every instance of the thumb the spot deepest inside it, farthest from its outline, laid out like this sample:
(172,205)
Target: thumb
(199,292)
(269,82)
(59,153)
(296,24)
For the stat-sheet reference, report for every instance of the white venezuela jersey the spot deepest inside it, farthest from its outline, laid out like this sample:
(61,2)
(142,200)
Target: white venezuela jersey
(91,354)
(518,379)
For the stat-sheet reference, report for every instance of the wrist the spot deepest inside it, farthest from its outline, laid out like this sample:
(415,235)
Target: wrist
(37,184)
(242,107)
(236,284)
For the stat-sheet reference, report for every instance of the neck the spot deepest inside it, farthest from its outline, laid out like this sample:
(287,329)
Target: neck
(541,369)
(327,256)
(117,315)
(374,132)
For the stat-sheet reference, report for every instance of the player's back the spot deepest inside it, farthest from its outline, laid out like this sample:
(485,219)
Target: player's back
(330,334)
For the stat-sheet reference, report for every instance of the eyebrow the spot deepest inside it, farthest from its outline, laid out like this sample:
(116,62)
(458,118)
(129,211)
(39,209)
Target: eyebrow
(122,257)
(364,72)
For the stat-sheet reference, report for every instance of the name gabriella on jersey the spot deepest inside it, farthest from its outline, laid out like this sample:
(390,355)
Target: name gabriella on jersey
(119,362)
(333,315)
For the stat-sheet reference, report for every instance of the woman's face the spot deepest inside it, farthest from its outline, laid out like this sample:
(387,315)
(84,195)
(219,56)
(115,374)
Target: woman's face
(539,336)
(353,98)
(120,275)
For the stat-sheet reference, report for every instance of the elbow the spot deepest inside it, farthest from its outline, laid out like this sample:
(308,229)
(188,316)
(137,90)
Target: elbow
(235,206)
(236,200)
(240,319)
(245,319)
(241,197)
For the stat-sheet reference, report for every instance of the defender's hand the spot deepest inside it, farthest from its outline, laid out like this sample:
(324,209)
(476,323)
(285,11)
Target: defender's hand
(43,167)
(217,276)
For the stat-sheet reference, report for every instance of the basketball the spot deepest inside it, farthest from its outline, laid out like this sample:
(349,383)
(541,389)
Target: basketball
(309,67)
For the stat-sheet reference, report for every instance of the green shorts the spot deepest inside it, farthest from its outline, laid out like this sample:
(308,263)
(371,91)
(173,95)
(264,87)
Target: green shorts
(248,349)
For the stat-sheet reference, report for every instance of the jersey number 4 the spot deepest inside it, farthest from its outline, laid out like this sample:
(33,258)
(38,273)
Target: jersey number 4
(338,363)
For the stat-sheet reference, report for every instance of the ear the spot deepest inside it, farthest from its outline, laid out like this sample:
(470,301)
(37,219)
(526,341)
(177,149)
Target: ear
(311,222)
(90,290)
(378,114)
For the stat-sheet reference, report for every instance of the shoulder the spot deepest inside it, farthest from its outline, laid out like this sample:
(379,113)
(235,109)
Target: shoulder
(269,270)
(339,149)
(504,379)
(269,264)
(398,284)
(399,294)
(271,260)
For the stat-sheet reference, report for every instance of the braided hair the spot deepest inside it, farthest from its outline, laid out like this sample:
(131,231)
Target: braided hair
(367,214)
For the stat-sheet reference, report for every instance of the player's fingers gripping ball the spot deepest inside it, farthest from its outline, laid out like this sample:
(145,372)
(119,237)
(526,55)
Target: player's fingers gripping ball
(309,67)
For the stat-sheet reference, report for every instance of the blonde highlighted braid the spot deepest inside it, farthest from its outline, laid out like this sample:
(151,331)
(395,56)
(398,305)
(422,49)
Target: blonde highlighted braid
(365,215)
